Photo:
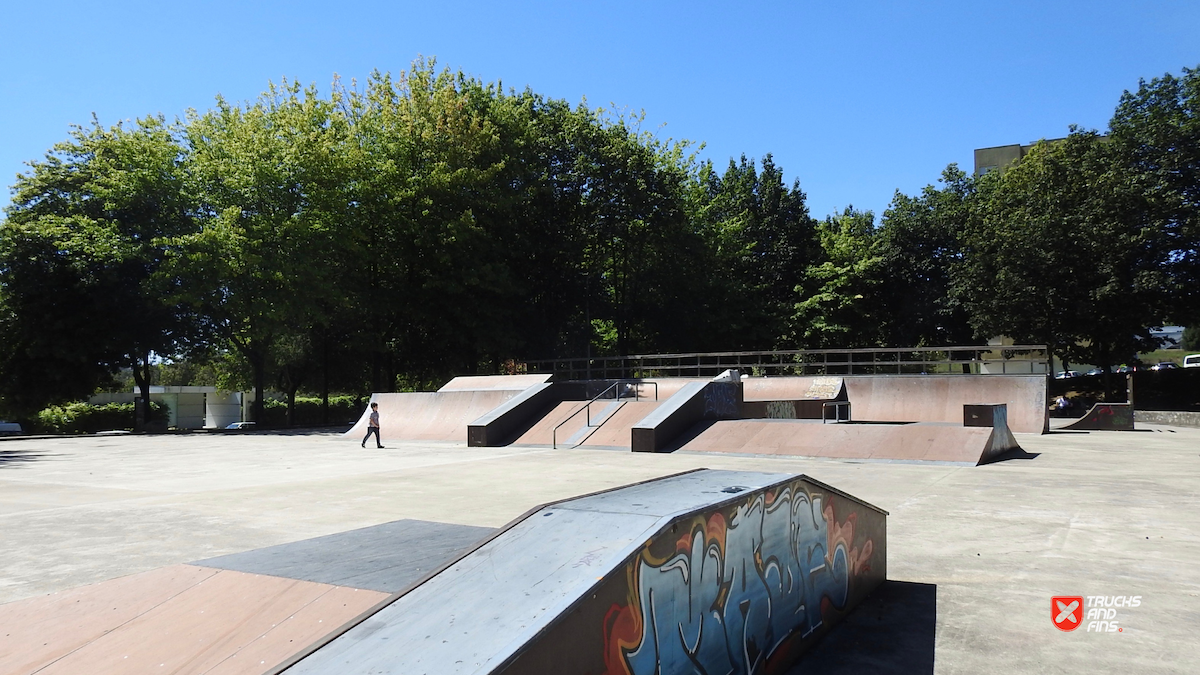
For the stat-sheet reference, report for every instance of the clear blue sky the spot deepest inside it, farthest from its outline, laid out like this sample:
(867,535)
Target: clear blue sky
(856,99)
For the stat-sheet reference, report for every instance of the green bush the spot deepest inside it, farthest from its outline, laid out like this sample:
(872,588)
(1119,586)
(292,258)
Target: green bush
(84,418)
(342,410)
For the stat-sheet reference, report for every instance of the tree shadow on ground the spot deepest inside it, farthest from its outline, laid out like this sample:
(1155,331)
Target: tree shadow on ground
(16,457)
(891,632)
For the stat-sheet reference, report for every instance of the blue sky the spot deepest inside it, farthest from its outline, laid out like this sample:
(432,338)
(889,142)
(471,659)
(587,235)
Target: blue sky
(855,99)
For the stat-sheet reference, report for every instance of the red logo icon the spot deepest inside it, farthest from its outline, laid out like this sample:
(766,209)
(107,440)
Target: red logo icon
(1066,611)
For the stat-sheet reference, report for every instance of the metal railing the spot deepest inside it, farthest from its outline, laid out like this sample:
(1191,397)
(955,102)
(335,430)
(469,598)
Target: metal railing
(618,385)
(837,410)
(972,360)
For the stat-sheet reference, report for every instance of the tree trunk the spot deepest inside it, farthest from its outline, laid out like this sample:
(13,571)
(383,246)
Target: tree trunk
(141,376)
(291,410)
(258,362)
(324,378)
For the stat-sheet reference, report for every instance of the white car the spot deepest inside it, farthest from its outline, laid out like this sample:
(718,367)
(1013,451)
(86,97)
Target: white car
(1191,361)
(241,425)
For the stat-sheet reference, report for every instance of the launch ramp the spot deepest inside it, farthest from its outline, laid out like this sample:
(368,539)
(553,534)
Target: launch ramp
(731,571)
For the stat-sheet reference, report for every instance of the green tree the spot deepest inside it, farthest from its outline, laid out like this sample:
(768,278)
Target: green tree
(762,238)
(919,246)
(82,284)
(269,179)
(840,302)
(1056,253)
(1155,134)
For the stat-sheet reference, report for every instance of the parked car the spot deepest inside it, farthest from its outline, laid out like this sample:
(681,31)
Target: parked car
(241,425)
(1066,374)
(1096,371)
(1191,361)
(1164,365)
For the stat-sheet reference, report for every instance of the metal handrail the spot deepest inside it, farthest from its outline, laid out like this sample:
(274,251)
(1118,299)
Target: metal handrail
(588,406)
(837,410)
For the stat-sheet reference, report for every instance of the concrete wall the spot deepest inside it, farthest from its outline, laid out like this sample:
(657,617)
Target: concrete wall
(743,586)
(222,409)
(187,406)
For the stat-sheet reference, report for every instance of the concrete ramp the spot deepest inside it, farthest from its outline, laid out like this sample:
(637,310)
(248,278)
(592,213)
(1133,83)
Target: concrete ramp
(430,416)
(709,571)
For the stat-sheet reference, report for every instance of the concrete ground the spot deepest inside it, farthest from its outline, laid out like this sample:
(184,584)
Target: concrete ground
(975,553)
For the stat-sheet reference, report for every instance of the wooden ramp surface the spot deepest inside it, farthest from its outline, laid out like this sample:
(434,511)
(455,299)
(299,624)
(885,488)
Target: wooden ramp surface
(922,398)
(928,442)
(240,614)
(493,382)
(613,420)
(430,416)
(178,619)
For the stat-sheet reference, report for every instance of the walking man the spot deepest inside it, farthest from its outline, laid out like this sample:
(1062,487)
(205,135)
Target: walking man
(373,427)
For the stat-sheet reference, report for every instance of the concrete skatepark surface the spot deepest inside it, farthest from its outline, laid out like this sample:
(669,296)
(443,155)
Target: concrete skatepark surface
(974,552)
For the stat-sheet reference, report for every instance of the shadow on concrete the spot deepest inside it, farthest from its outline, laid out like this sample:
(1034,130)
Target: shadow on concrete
(14,457)
(1015,453)
(891,632)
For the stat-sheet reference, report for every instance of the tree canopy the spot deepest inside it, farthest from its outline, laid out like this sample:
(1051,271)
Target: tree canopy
(391,234)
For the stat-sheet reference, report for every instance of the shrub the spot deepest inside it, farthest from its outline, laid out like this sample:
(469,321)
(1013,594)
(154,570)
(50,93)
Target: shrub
(342,410)
(84,418)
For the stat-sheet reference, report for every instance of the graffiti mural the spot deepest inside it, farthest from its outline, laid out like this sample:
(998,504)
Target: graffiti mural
(721,401)
(741,588)
(781,410)
(1106,416)
(737,593)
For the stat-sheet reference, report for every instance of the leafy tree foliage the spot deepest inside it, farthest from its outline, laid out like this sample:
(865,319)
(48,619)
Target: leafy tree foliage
(920,245)
(392,234)
(1057,254)
(80,254)
(1156,151)
(842,303)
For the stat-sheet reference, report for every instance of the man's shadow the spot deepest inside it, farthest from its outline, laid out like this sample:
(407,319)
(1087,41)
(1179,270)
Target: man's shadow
(892,631)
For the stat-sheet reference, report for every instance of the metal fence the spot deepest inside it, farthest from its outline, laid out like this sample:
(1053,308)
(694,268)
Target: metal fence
(970,360)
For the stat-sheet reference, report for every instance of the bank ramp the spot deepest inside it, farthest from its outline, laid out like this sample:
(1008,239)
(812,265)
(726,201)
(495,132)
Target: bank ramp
(443,415)
(726,571)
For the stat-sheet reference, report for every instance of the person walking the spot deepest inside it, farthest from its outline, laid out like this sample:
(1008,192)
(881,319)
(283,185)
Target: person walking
(373,427)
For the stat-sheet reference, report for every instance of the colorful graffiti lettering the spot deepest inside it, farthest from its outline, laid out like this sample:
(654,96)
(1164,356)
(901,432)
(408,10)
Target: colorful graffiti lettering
(736,596)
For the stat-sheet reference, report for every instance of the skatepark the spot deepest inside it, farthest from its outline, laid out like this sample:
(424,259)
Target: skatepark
(575,531)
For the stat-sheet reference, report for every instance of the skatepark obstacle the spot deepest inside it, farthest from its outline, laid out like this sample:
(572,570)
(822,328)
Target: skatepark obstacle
(1105,417)
(657,577)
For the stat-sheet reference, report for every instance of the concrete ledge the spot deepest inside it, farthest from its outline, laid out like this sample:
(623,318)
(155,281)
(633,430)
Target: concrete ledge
(1174,418)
